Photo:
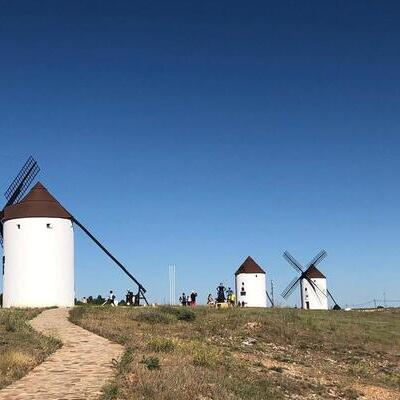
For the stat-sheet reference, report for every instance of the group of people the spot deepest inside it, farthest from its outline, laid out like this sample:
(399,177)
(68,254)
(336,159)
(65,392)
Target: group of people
(188,300)
(223,295)
(130,299)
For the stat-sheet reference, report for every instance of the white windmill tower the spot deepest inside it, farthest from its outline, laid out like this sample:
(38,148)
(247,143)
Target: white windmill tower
(38,239)
(38,252)
(250,284)
(313,290)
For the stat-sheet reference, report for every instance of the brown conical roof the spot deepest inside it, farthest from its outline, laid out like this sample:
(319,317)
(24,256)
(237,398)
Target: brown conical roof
(313,272)
(37,203)
(249,267)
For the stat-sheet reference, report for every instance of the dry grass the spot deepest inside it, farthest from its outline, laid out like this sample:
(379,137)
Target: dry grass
(249,353)
(21,348)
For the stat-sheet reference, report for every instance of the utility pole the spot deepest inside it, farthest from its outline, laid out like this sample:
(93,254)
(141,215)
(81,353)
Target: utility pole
(272,293)
(384,299)
(375,303)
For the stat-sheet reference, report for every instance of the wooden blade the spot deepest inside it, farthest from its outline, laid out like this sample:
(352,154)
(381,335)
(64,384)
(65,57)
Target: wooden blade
(293,262)
(318,258)
(314,286)
(289,289)
(22,181)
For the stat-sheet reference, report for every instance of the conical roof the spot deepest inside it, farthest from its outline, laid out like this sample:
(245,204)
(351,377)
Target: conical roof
(37,203)
(313,272)
(249,267)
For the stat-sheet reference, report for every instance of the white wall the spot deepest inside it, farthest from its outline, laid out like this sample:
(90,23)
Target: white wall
(39,263)
(255,288)
(318,299)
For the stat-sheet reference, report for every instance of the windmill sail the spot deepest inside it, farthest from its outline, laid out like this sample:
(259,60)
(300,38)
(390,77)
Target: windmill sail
(19,186)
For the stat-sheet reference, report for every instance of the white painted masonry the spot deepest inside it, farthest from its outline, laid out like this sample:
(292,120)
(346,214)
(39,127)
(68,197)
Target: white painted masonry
(251,289)
(39,262)
(314,299)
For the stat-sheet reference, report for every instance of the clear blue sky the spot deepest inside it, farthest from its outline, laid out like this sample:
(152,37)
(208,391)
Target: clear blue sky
(198,133)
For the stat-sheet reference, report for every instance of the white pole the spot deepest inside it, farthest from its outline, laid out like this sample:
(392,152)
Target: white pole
(170,283)
(172,289)
(172,278)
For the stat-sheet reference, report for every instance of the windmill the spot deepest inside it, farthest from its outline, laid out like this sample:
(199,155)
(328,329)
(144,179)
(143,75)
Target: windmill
(313,291)
(38,246)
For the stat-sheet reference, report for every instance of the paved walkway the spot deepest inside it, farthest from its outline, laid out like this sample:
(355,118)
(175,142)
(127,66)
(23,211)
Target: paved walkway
(77,371)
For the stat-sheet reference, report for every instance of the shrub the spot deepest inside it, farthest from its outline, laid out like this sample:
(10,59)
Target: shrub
(13,322)
(77,314)
(173,310)
(184,314)
(151,362)
(154,317)
(125,363)
(161,345)
(15,363)
(205,356)
(110,392)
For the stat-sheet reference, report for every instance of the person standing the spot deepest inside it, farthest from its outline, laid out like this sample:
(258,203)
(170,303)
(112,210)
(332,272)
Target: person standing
(221,293)
(233,299)
(110,300)
(188,300)
(193,296)
(182,299)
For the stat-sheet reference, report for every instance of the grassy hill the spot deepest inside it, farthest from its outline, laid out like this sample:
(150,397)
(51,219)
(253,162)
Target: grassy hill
(186,354)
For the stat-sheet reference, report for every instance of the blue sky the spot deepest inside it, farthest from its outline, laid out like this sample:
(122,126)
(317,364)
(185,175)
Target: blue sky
(198,133)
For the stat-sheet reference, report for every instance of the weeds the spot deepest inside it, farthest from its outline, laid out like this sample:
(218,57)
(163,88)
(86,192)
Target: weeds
(154,317)
(185,314)
(21,348)
(204,354)
(161,345)
(151,362)
(110,392)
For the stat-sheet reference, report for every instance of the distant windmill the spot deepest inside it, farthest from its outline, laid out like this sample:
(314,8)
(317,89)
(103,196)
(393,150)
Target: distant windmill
(37,231)
(313,291)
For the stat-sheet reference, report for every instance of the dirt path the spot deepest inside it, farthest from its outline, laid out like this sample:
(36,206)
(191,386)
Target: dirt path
(75,372)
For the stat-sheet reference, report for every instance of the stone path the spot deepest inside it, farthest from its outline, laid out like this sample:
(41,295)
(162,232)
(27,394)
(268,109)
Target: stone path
(77,371)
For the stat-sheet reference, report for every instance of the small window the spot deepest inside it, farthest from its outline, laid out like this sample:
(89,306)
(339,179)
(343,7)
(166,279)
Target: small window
(18,226)
(48,226)
(305,289)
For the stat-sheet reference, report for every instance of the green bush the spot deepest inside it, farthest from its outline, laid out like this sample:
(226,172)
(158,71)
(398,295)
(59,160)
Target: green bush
(161,345)
(151,362)
(110,392)
(185,314)
(13,322)
(125,363)
(154,317)
(205,356)
(169,309)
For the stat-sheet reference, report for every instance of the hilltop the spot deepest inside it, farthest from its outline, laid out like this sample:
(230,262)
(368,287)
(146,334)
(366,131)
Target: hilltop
(181,354)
